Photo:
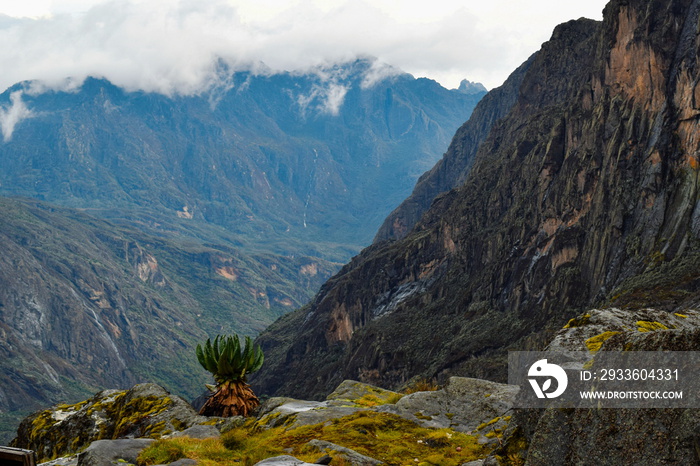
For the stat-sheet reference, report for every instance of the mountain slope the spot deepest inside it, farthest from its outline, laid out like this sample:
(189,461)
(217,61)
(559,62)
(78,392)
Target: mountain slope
(85,304)
(586,192)
(320,157)
(454,167)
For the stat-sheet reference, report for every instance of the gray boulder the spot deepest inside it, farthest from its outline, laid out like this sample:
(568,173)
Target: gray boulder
(113,452)
(198,431)
(284,460)
(589,331)
(464,404)
(348,455)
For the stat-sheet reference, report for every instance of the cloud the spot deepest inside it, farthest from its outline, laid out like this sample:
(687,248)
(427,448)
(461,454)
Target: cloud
(12,115)
(180,47)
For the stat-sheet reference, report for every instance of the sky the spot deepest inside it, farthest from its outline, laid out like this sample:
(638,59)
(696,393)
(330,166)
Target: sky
(173,46)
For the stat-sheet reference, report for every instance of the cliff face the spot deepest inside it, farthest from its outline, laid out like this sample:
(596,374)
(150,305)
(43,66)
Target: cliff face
(586,192)
(453,168)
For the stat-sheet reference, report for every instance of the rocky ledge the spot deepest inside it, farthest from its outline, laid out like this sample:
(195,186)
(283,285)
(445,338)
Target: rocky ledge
(115,426)
(466,422)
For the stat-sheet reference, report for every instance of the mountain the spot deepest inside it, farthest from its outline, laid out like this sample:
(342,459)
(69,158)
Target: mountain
(451,171)
(87,304)
(585,193)
(320,157)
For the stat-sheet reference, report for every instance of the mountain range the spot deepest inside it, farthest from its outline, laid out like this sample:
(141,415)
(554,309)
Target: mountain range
(320,157)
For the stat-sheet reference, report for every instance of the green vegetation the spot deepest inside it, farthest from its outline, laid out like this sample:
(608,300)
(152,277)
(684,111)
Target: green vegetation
(383,436)
(230,363)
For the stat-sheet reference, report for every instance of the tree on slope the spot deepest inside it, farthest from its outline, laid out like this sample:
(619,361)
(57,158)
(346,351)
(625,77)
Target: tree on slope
(230,364)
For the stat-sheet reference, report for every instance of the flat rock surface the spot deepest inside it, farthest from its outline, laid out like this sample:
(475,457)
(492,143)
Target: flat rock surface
(109,452)
(578,331)
(463,404)
(284,460)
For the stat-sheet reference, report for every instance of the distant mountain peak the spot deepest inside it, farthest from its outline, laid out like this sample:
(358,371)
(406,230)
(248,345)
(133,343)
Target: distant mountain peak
(471,88)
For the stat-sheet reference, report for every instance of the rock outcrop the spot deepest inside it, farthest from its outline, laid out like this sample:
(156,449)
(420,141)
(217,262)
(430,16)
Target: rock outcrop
(116,426)
(144,411)
(611,436)
(584,195)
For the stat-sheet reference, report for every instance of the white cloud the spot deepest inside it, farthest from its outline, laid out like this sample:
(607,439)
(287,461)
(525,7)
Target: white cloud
(12,115)
(177,47)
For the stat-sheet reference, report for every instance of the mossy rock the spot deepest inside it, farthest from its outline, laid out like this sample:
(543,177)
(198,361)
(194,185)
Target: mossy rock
(358,394)
(146,410)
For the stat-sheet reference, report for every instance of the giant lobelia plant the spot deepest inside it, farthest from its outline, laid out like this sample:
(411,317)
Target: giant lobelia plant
(230,363)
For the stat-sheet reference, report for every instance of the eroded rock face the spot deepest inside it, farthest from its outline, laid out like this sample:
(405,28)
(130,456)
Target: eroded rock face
(146,410)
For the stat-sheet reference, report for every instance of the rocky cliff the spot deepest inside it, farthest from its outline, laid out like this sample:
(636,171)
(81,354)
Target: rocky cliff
(585,192)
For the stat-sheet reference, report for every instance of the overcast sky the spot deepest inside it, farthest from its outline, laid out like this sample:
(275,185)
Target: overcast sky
(170,45)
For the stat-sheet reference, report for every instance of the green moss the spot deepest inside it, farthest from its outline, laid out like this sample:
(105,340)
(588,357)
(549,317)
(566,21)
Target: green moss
(594,343)
(386,437)
(422,416)
(514,450)
(377,399)
(486,424)
(162,452)
(578,321)
(646,326)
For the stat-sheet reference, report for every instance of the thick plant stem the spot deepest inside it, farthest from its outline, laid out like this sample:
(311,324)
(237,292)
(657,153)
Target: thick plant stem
(230,399)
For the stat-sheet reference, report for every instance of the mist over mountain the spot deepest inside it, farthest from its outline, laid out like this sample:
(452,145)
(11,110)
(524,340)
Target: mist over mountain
(320,157)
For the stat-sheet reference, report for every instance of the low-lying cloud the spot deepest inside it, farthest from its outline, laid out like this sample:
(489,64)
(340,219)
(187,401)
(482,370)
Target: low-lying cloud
(177,47)
(11,115)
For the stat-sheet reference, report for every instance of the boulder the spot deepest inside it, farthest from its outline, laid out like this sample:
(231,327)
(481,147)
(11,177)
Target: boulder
(464,404)
(198,431)
(612,436)
(351,393)
(146,410)
(284,460)
(349,456)
(113,452)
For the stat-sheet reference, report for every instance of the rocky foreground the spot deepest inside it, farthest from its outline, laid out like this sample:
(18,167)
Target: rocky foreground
(466,422)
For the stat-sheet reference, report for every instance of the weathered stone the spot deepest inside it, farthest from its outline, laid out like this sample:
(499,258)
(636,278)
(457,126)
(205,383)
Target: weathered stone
(351,393)
(113,452)
(295,413)
(284,460)
(463,404)
(198,431)
(579,334)
(350,456)
(146,410)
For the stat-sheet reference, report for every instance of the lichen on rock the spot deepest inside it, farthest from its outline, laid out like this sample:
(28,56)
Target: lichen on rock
(146,410)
